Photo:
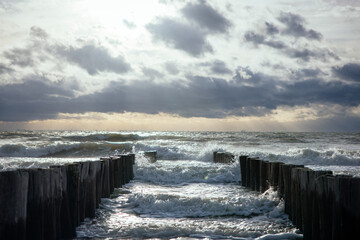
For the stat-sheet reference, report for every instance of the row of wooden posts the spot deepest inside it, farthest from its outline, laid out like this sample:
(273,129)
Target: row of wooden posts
(321,205)
(50,203)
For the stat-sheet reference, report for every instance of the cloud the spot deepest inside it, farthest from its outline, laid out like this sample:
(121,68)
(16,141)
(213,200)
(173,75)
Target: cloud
(33,52)
(129,24)
(5,69)
(261,39)
(305,73)
(9,4)
(35,98)
(248,93)
(354,3)
(38,32)
(298,52)
(93,59)
(219,67)
(319,91)
(172,68)
(206,16)
(181,36)
(295,26)
(22,57)
(349,71)
(271,29)
(151,73)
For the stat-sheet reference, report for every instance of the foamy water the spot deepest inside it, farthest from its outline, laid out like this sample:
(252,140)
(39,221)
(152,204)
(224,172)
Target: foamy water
(184,194)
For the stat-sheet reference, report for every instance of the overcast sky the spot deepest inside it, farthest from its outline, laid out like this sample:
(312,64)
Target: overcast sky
(180,65)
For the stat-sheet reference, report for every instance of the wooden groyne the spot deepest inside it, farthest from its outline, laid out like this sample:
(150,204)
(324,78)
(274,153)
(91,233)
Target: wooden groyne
(320,204)
(50,203)
(151,156)
(223,157)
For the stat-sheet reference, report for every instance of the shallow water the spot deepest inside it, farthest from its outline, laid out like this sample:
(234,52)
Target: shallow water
(187,199)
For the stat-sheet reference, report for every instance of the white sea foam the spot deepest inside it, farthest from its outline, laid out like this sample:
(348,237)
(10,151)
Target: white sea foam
(186,171)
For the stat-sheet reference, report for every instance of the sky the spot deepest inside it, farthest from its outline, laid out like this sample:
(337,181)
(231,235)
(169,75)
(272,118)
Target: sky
(220,65)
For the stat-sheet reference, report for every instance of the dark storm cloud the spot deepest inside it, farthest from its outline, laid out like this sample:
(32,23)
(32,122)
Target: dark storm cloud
(295,26)
(35,98)
(180,35)
(316,91)
(93,59)
(247,93)
(206,16)
(350,71)
(202,97)
(307,73)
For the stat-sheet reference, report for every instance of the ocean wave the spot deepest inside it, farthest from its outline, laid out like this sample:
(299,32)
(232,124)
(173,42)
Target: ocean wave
(65,150)
(111,137)
(308,156)
(185,201)
(186,171)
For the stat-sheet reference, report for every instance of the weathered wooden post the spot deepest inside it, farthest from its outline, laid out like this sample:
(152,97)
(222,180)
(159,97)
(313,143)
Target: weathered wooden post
(105,178)
(38,190)
(91,190)
(73,185)
(256,165)
(99,171)
(53,205)
(129,167)
(248,172)
(111,174)
(281,182)
(84,172)
(252,173)
(286,169)
(151,155)
(309,211)
(131,170)
(44,202)
(13,204)
(274,174)
(268,175)
(66,217)
(117,171)
(347,208)
(123,170)
(223,157)
(263,176)
(296,197)
(324,200)
(243,167)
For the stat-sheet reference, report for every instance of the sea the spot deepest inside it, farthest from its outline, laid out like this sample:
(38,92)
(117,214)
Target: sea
(184,194)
